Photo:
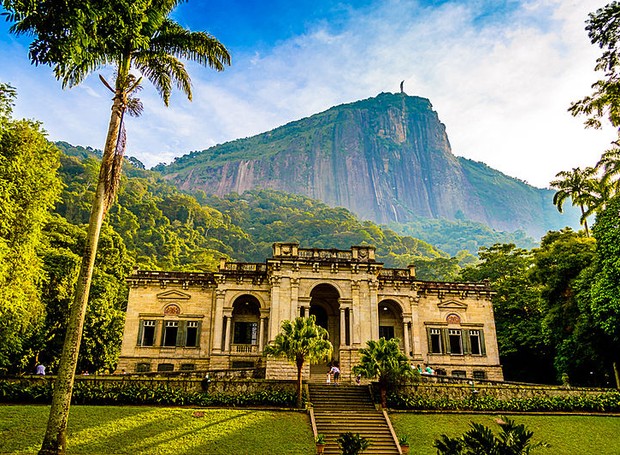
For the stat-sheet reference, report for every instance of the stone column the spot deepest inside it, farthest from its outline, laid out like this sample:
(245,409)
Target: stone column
(294,296)
(274,317)
(417,331)
(261,335)
(406,337)
(356,306)
(303,303)
(374,308)
(218,320)
(343,328)
(228,329)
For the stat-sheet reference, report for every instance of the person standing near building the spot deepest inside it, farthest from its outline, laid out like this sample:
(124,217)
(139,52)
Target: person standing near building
(336,372)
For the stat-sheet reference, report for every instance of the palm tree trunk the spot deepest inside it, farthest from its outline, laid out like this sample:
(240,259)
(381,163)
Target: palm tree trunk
(55,441)
(585,221)
(300,365)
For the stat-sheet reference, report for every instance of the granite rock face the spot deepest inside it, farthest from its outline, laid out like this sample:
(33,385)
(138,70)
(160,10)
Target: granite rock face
(387,159)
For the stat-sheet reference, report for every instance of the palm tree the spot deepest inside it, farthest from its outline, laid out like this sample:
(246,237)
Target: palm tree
(299,341)
(76,37)
(580,186)
(384,360)
(513,439)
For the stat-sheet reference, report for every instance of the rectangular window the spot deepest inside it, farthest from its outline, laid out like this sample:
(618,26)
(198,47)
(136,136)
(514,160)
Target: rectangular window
(147,336)
(191,334)
(386,331)
(171,331)
(480,374)
(456,342)
(474,341)
(188,367)
(165,367)
(435,339)
(246,333)
(143,368)
(459,373)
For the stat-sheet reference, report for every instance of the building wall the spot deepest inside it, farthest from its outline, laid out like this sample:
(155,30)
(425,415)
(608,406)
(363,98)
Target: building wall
(348,291)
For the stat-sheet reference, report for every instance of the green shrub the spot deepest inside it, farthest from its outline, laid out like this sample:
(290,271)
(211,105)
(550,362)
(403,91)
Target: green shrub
(129,392)
(603,402)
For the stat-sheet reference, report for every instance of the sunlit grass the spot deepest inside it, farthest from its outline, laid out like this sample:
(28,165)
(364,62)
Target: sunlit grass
(148,430)
(567,434)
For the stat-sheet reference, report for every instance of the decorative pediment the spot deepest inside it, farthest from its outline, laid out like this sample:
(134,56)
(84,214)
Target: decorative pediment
(452,305)
(173,295)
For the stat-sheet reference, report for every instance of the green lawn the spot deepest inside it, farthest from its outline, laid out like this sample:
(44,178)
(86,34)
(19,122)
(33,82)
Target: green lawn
(568,435)
(158,430)
(148,430)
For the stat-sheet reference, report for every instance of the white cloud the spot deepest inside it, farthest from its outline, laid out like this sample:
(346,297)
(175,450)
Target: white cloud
(501,81)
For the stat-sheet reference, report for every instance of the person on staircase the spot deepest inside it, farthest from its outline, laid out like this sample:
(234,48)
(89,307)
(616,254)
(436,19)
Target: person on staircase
(336,372)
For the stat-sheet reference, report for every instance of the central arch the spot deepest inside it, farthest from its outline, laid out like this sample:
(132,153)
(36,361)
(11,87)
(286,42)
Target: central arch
(325,306)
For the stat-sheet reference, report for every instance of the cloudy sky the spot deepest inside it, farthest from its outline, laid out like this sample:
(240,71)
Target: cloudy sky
(500,74)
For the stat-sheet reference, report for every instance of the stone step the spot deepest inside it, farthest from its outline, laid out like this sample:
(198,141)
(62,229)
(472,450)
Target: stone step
(349,408)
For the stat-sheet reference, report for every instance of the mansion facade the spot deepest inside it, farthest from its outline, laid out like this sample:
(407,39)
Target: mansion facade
(179,321)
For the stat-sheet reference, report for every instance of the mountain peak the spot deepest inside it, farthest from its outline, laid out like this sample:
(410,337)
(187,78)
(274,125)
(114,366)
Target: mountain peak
(386,158)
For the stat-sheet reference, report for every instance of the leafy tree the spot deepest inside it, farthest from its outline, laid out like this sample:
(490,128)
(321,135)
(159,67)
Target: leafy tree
(559,267)
(29,187)
(603,28)
(525,355)
(513,439)
(383,359)
(609,164)
(76,37)
(605,292)
(301,341)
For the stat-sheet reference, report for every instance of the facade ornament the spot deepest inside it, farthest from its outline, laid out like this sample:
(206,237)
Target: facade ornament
(172,310)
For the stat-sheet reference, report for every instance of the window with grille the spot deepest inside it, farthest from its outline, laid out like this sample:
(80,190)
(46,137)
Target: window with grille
(474,341)
(143,368)
(171,330)
(191,334)
(435,344)
(480,374)
(147,334)
(456,341)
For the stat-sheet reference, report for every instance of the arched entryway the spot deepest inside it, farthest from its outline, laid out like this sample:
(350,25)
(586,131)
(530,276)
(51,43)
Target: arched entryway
(324,306)
(245,325)
(391,321)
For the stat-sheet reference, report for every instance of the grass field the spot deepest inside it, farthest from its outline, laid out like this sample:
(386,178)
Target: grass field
(159,430)
(567,435)
(148,430)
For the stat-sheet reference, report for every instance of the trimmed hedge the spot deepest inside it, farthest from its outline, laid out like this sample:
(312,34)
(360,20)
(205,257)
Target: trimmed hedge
(128,392)
(603,402)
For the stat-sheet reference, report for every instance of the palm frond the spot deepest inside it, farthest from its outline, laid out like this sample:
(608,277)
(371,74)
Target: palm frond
(198,47)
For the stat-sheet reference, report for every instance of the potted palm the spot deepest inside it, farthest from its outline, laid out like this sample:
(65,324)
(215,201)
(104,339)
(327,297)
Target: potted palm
(320,443)
(352,444)
(403,441)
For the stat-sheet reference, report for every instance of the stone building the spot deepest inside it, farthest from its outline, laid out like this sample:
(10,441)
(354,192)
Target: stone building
(179,321)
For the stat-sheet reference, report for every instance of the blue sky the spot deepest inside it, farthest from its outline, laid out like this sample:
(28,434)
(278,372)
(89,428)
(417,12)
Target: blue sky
(500,74)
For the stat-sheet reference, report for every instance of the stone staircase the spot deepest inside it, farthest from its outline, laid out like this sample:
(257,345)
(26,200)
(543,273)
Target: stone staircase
(345,408)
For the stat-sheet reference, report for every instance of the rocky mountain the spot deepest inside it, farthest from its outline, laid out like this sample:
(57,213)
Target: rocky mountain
(387,159)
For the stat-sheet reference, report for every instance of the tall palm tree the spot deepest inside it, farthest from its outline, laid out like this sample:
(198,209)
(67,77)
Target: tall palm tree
(299,341)
(579,186)
(76,37)
(383,359)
